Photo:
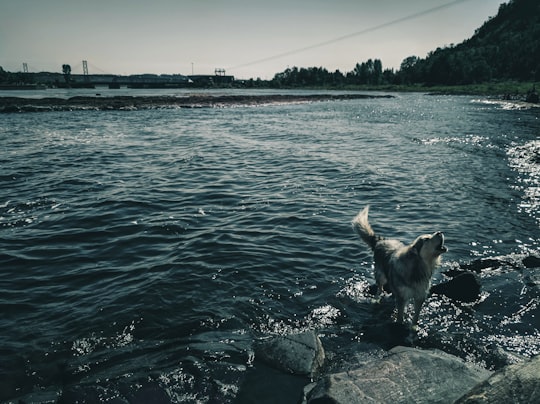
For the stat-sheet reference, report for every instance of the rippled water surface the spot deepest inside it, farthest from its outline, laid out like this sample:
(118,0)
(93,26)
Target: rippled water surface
(143,252)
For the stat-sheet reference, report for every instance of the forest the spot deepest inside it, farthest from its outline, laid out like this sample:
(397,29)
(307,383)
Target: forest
(506,47)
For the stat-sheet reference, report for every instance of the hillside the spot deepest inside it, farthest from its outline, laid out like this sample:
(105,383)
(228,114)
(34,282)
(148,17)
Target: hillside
(505,47)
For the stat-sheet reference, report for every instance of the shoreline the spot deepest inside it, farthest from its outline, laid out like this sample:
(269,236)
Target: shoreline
(98,103)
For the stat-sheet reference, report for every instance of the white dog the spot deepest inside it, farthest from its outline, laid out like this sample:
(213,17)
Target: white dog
(406,269)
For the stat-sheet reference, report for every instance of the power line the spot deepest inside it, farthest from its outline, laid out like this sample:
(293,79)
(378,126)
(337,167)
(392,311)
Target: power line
(341,38)
(94,67)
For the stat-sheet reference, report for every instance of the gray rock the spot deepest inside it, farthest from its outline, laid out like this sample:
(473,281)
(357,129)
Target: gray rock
(406,375)
(519,383)
(465,287)
(300,354)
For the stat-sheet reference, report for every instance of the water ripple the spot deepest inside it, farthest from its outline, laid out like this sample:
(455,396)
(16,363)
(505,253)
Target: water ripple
(146,251)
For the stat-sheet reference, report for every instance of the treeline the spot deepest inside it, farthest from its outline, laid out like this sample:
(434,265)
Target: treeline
(370,72)
(506,47)
(14,78)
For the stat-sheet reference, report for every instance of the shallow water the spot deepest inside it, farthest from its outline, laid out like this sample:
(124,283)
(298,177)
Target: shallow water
(143,252)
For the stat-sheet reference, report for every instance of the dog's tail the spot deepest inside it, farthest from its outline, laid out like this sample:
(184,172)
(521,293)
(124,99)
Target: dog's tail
(361,226)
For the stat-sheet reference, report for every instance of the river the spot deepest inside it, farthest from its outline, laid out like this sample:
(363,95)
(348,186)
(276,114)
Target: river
(144,252)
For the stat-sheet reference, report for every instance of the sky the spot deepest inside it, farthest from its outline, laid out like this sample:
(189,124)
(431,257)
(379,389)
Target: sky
(247,38)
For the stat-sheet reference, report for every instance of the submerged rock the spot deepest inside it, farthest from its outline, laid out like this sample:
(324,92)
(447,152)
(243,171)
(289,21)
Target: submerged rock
(143,392)
(483,263)
(518,383)
(465,287)
(531,261)
(300,354)
(406,375)
(513,261)
(532,279)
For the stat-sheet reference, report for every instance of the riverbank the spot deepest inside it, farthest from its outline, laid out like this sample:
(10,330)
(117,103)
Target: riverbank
(18,104)
(514,89)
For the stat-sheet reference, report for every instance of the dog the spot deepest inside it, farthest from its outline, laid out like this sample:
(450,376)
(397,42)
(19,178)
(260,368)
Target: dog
(406,269)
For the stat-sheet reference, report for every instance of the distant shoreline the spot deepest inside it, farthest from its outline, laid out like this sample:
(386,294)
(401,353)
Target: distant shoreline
(98,103)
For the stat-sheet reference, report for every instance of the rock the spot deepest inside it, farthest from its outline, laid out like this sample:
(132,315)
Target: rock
(531,261)
(532,279)
(300,354)
(464,288)
(406,375)
(144,392)
(519,383)
(485,263)
(18,104)
(264,384)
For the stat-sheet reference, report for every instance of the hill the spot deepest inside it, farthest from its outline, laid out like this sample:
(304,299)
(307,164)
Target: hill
(506,47)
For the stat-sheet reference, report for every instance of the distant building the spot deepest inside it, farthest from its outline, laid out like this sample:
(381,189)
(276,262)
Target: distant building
(53,79)
(209,80)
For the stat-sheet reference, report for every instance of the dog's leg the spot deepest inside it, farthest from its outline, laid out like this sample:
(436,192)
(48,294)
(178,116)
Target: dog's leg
(380,280)
(380,289)
(417,307)
(400,304)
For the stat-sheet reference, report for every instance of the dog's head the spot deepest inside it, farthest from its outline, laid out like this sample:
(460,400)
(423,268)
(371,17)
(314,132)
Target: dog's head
(430,246)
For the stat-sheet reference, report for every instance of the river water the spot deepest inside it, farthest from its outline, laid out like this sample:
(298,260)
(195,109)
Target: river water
(144,252)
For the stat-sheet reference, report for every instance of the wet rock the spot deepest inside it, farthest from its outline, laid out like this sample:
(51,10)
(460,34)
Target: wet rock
(142,392)
(10,109)
(514,384)
(406,375)
(465,287)
(90,394)
(496,357)
(300,354)
(266,385)
(16,104)
(480,264)
(532,279)
(531,261)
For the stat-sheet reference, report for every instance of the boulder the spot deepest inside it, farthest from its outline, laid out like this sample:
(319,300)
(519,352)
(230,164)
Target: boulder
(405,375)
(483,263)
(519,383)
(299,354)
(464,288)
(531,261)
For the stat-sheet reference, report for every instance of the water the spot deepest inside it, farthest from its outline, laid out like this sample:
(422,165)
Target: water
(144,252)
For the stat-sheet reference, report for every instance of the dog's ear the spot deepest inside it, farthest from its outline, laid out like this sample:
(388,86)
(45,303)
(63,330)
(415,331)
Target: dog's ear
(417,246)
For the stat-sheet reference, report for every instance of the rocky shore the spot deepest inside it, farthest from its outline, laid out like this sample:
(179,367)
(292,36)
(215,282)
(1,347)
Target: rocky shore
(410,374)
(17,104)
(297,368)
(403,375)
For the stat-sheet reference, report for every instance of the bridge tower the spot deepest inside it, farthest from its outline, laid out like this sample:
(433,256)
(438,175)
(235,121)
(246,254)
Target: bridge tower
(85,70)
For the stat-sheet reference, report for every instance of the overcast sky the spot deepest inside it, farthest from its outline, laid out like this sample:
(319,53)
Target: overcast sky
(248,38)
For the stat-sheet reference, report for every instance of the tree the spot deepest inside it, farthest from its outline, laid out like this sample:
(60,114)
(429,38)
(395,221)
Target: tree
(370,72)
(66,70)
(3,75)
(377,72)
(409,69)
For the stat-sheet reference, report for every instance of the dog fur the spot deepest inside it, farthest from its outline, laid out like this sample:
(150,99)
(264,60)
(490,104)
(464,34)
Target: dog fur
(406,269)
